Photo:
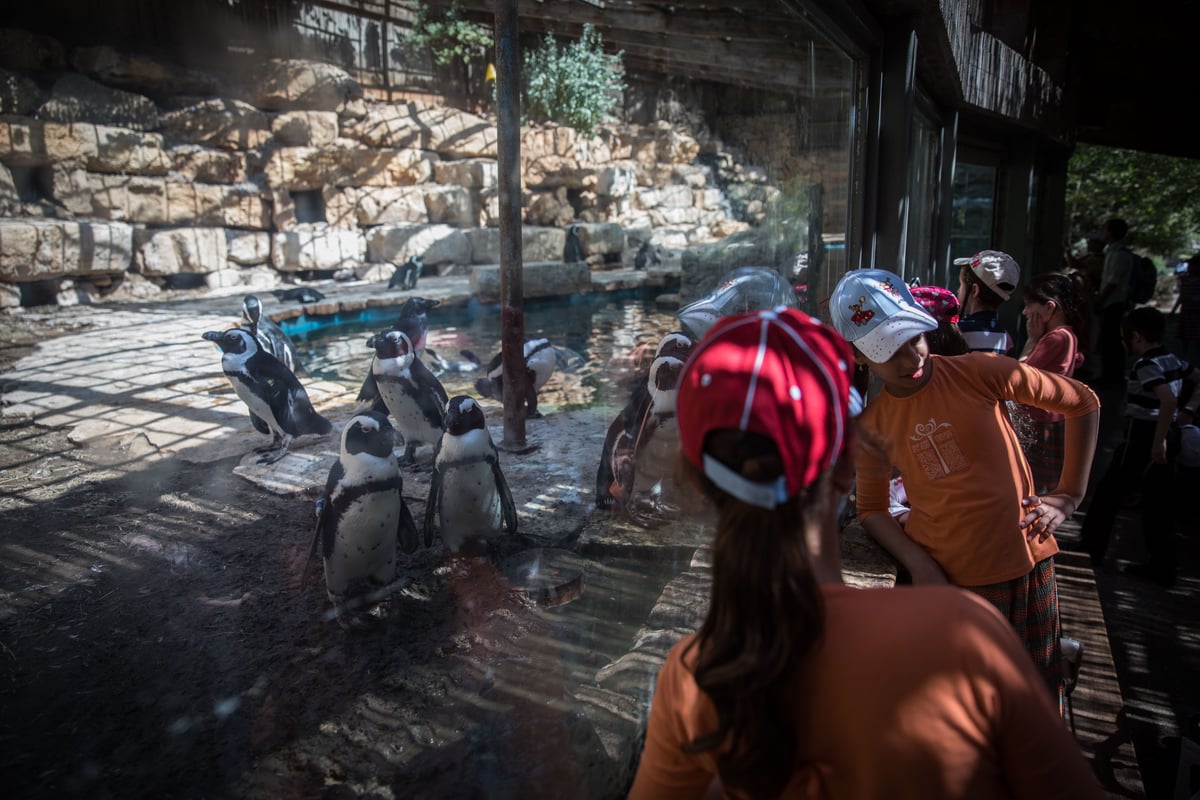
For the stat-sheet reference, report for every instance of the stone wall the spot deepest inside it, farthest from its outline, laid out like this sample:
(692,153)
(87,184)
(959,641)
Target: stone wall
(297,176)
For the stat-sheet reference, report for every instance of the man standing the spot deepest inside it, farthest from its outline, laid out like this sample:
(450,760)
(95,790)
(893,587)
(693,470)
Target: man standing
(1113,300)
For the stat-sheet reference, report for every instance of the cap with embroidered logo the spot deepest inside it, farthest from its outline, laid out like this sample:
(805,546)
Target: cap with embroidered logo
(998,270)
(875,311)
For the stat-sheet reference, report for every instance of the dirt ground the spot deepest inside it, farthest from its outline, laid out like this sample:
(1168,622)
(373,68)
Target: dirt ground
(147,648)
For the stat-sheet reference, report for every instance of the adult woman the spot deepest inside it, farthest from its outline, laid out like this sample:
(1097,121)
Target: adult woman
(796,685)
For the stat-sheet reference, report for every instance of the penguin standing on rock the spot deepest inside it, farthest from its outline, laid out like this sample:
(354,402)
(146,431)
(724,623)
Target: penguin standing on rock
(413,323)
(269,335)
(414,397)
(573,248)
(468,493)
(278,404)
(541,358)
(405,276)
(362,518)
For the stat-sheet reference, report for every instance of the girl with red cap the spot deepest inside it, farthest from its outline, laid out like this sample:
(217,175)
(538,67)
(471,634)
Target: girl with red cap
(796,685)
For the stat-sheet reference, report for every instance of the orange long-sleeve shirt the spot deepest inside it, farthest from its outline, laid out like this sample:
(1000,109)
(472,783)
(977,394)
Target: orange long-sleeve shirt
(962,463)
(914,692)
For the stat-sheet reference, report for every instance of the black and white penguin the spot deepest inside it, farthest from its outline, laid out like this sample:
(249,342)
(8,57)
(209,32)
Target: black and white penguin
(541,358)
(278,404)
(303,294)
(647,256)
(405,276)
(469,498)
(414,397)
(573,248)
(269,335)
(414,324)
(641,447)
(362,518)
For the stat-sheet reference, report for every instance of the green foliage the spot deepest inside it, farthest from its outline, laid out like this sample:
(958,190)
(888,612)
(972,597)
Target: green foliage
(576,84)
(1154,194)
(448,36)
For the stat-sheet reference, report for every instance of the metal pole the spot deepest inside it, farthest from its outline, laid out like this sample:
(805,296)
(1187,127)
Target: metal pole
(508,151)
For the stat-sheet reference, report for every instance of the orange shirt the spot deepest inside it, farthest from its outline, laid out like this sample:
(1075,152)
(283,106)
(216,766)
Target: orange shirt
(962,463)
(914,692)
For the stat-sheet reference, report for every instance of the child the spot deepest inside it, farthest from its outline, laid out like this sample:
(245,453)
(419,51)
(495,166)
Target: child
(943,305)
(945,340)
(975,519)
(796,685)
(985,281)
(1058,319)
(1155,382)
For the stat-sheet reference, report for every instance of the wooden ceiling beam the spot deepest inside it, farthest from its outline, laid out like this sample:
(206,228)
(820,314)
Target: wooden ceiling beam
(714,21)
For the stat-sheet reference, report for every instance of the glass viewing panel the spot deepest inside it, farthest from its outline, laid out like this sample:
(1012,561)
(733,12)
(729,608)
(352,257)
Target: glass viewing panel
(973,209)
(523,664)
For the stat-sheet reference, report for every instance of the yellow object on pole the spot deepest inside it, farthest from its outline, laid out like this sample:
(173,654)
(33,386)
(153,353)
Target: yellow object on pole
(490,75)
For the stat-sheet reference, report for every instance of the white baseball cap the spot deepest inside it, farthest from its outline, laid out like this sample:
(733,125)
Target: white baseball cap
(874,310)
(998,270)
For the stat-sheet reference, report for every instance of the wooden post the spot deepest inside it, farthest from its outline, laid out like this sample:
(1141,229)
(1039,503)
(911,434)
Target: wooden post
(508,148)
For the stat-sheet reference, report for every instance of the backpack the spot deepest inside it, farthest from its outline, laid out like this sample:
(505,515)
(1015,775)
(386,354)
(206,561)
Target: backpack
(1143,279)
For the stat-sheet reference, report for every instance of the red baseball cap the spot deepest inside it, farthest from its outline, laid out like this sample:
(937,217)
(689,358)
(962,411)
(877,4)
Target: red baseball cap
(779,373)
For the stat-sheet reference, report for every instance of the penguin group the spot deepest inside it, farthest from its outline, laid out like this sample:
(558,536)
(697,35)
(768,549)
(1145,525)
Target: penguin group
(364,526)
(363,523)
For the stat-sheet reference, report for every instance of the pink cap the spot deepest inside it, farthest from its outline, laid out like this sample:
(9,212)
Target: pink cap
(941,303)
(779,373)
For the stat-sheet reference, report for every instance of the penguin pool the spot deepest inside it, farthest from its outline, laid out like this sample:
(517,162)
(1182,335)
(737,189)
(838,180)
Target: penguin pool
(563,630)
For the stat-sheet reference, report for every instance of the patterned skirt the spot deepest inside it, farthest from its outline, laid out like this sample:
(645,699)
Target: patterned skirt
(1030,603)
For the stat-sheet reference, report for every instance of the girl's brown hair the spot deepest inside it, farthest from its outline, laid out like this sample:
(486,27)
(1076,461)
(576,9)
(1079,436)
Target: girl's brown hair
(765,616)
(1069,293)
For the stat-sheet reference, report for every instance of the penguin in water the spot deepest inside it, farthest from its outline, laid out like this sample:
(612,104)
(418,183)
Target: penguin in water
(573,248)
(638,458)
(272,338)
(541,358)
(303,294)
(414,324)
(278,404)
(469,498)
(405,276)
(361,519)
(414,397)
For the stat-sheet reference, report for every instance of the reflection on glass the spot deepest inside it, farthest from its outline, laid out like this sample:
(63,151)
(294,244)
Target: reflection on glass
(973,209)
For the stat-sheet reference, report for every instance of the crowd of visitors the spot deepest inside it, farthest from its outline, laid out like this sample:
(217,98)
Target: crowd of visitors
(964,454)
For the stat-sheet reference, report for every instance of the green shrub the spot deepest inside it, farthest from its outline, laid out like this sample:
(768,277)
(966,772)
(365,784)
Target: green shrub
(448,36)
(576,84)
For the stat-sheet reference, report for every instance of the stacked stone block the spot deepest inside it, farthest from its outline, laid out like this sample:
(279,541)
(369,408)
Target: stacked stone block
(297,176)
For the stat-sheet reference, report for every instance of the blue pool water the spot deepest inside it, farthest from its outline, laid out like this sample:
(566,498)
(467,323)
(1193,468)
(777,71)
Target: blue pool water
(606,337)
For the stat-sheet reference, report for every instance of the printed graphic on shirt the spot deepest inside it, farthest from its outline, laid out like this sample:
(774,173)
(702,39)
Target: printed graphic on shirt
(936,449)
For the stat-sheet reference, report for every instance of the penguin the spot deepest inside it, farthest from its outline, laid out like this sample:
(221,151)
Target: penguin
(272,338)
(278,404)
(362,518)
(647,256)
(414,324)
(405,276)
(469,498)
(573,248)
(642,441)
(414,397)
(541,358)
(303,294)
